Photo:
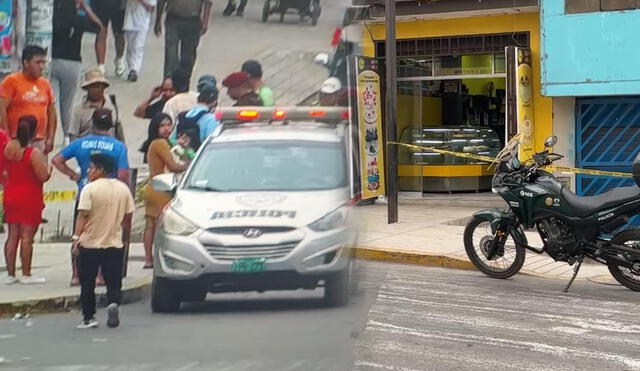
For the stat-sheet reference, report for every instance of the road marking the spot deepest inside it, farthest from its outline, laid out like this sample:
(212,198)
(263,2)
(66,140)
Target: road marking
(555,350)
(188,366)
(593,324)
(294,366)
(570,330)
(384,367)
(7,336)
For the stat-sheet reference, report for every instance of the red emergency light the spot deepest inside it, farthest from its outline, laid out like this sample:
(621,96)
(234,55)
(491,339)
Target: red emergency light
(248,115)
(279,114)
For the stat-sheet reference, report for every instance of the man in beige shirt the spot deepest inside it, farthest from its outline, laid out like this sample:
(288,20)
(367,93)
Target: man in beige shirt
(105,205)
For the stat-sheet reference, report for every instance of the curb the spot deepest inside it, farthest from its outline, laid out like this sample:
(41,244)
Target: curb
(135,292)
(408,257)
(443,261)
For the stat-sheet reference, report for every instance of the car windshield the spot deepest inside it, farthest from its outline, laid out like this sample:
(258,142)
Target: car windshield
(269,166)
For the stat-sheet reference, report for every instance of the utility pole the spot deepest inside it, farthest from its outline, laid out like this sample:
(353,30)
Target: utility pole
(391,101)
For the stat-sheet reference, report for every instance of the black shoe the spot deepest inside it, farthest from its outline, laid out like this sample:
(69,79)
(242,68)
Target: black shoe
(113,315)
(88,323)
(231,7)
(240,13)
(133,76)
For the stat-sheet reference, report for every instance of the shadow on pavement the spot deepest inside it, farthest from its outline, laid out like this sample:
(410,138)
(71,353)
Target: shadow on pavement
(253,305)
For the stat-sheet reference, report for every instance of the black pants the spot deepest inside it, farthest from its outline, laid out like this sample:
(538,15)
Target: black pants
(232,3)
(110,261)
(182,36)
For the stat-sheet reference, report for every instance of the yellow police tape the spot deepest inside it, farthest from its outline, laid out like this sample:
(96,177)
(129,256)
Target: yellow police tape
(492,159)
(67,196)
(55,196)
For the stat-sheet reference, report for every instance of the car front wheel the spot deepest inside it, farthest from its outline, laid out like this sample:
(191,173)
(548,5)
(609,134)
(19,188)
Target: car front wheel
(164,296)
(336,289)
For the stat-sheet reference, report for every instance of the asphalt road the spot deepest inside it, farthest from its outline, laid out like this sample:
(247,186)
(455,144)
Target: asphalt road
(400,318)
(435,319)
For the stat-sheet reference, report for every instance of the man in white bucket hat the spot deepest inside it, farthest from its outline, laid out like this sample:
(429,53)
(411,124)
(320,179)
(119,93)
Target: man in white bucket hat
(95,84)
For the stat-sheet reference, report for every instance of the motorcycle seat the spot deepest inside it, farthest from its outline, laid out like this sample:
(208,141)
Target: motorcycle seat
(588,205)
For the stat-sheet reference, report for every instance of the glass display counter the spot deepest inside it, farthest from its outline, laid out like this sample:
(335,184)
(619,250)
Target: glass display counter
(447,173)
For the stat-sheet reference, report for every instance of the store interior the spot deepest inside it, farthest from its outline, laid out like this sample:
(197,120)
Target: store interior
(456,103)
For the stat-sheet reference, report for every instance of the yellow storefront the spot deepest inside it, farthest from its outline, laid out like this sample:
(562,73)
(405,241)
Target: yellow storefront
(442,97)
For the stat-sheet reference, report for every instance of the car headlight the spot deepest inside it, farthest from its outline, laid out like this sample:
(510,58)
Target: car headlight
(330,221)
(176,224)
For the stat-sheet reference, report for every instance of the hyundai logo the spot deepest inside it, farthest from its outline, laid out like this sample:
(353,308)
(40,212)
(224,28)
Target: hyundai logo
(252,233)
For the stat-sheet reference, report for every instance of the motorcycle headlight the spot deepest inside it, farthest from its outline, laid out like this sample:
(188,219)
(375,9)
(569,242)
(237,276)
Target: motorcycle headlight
(330,221)
(176,224)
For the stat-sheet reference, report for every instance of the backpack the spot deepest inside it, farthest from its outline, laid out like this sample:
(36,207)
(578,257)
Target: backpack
(189,126)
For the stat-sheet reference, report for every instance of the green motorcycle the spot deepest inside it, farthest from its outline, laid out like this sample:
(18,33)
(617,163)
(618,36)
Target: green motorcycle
(571,227)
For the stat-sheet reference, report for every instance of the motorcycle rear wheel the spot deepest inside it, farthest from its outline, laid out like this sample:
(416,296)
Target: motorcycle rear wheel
(477,235)
(625,276)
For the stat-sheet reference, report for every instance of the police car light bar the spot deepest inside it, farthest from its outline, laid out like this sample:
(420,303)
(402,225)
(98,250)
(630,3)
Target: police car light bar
(252,114)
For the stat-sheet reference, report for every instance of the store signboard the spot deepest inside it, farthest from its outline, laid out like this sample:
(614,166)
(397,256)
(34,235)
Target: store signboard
(7,27)
(370,132)
(520,101)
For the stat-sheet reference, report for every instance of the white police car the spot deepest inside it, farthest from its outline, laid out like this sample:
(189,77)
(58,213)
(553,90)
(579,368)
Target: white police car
(264,206)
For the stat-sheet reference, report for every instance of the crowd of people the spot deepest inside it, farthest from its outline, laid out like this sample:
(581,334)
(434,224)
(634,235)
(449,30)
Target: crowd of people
(180,120)
(94,135)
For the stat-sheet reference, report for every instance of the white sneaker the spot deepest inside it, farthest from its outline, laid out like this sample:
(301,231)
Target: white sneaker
(92,323)
(10,280)
(32,280)
(120,68)
(113,315)
(102,68)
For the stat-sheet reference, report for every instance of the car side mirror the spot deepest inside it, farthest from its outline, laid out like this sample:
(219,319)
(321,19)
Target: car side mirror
(550,141)
(321,59)
(164,183)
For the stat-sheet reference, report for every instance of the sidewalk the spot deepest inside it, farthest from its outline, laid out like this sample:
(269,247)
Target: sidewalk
(52,261)
(432,235)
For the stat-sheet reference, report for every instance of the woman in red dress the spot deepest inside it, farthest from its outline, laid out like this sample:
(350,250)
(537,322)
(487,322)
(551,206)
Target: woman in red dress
(26,171)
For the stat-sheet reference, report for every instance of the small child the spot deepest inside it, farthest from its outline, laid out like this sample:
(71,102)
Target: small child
(181,150)
(136,25)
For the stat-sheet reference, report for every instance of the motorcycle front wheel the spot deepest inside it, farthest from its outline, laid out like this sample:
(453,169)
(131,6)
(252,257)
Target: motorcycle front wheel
(477,240)
(630,278)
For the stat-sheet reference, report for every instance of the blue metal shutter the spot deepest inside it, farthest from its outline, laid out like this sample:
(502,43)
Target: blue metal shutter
(607,138)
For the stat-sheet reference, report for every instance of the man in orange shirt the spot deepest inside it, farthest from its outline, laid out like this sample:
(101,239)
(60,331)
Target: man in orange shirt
(28,93)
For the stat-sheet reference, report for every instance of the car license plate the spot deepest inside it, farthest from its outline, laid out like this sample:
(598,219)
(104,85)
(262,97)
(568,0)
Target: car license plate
(248,265)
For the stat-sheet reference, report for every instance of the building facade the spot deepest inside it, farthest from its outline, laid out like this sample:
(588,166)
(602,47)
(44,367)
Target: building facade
(453,85)
(589,51)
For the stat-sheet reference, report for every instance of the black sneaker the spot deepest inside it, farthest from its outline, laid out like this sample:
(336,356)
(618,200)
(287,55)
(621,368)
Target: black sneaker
(133,76)
(231,7)
(89,323)
(113,315)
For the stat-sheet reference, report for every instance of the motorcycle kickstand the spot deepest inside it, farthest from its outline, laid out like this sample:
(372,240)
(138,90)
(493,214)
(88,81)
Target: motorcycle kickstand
(575,273)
